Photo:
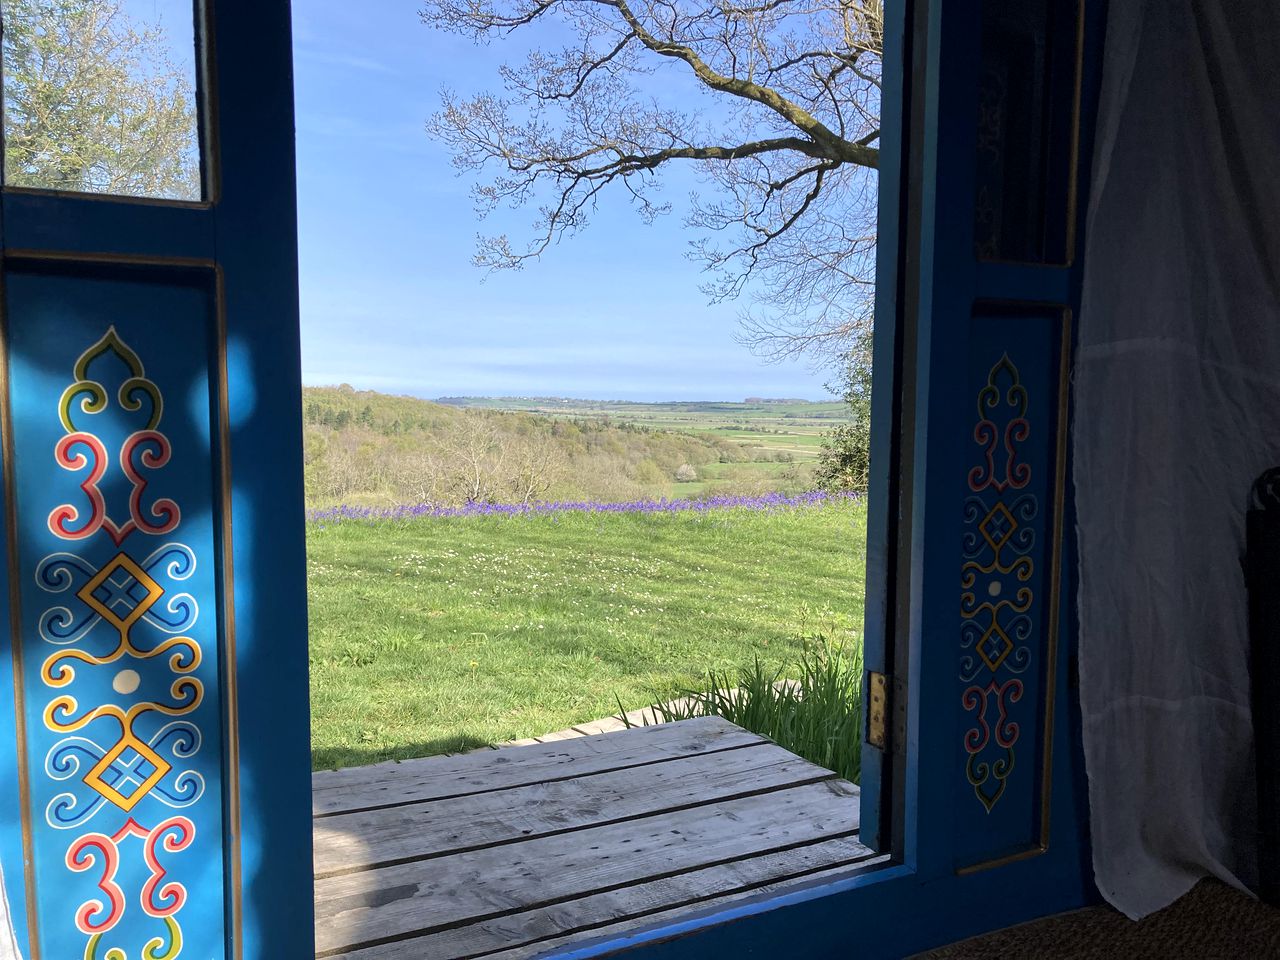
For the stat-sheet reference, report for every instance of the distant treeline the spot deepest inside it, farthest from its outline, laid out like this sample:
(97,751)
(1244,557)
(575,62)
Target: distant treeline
(367,448)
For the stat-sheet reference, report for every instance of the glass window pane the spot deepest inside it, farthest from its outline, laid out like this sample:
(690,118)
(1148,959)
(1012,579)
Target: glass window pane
(100,97)
(1026,130)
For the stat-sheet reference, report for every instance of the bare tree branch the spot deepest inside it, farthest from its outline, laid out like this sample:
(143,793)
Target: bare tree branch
(790,149)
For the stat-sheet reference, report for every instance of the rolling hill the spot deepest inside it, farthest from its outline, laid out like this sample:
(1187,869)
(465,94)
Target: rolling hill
(368,448)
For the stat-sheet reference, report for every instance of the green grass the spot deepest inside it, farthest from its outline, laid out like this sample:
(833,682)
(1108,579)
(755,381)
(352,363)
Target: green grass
(817,715)
(435,635)
(714,477)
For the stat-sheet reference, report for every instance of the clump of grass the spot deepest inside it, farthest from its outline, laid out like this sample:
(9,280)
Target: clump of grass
(817,715)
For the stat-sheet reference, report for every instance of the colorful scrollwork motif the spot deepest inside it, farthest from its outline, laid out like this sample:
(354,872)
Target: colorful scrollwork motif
(144,449)
(996,574)
(118,626)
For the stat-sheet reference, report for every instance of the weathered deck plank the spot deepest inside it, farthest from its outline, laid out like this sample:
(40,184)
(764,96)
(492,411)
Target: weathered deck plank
(411,781)
(528,933)
(377,905)
(506,854)
(682,912)
(354,841)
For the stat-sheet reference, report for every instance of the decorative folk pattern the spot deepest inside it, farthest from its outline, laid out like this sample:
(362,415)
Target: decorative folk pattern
(995,579)
(103,623)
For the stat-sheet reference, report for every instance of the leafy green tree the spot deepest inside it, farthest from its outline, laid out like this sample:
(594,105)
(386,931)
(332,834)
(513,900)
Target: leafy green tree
(94,103)
(845,459)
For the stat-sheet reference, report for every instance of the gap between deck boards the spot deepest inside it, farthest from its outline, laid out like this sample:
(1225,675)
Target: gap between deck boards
(574,896)
(768,769)
(407,782)
(498,855)
(531,932)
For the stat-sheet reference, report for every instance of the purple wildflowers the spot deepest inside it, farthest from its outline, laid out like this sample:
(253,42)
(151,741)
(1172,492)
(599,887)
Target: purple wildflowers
(765,501)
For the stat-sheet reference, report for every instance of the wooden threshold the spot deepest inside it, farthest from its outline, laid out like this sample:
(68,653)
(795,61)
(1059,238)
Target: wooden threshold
(511,853)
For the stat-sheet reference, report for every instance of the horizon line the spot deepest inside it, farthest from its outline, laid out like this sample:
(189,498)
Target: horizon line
(442,398)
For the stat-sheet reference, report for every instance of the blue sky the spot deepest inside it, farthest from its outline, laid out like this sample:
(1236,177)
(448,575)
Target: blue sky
(390,299)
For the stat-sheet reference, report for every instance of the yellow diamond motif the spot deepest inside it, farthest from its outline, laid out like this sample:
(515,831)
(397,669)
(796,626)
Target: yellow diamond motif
(998,526)
(997,638)
(88,593)
(128,801)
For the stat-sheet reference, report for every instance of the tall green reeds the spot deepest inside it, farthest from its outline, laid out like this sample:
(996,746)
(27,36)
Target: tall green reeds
(817,715)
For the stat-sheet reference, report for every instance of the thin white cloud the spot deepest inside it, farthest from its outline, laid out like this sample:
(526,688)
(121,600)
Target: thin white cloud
(346,60)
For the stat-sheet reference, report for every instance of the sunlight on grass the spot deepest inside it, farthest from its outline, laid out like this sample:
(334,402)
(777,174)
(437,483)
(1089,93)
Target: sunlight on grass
(433,635)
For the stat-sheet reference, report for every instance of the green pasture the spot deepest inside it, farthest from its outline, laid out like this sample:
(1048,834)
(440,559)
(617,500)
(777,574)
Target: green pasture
(793,427)
(436,635)
(712,478)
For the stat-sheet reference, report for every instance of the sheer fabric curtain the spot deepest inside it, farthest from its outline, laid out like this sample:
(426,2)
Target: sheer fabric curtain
(8,941)
(1177,410)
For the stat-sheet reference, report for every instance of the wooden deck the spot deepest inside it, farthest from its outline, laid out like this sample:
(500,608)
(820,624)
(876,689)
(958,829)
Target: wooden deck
(510,853)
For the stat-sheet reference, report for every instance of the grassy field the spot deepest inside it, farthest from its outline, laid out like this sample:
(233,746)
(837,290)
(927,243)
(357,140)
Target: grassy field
(438,634)
(771,476)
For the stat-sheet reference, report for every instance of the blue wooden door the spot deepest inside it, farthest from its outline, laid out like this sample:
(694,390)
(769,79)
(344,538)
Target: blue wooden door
(157,804)
(978,792)
(981,199)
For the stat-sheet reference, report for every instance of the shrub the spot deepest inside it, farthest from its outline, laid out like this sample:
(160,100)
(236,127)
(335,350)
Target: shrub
(844,461)
(685,473)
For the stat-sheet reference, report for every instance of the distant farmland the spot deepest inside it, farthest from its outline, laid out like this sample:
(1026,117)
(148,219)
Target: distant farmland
(782,426)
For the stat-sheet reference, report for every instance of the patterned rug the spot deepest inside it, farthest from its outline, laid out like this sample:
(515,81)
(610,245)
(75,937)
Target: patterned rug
(1212,922)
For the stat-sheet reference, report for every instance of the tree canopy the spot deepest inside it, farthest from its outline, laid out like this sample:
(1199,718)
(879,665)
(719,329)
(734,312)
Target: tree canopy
(93,102)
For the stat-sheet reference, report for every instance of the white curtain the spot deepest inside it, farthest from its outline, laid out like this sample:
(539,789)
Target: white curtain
(1177,410)
(8,941)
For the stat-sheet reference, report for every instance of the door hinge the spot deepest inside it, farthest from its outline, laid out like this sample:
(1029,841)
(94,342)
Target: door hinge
(886,712)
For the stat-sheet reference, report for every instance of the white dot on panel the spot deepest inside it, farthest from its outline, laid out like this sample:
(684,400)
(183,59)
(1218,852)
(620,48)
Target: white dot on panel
(993,588)
(126,681)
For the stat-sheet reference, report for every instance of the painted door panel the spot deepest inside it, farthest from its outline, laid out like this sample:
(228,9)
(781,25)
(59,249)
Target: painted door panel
(1010,580)
(121,641)
(159,803)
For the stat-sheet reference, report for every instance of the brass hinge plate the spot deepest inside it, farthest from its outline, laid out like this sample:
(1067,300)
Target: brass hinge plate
(886,712)
(878,710)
